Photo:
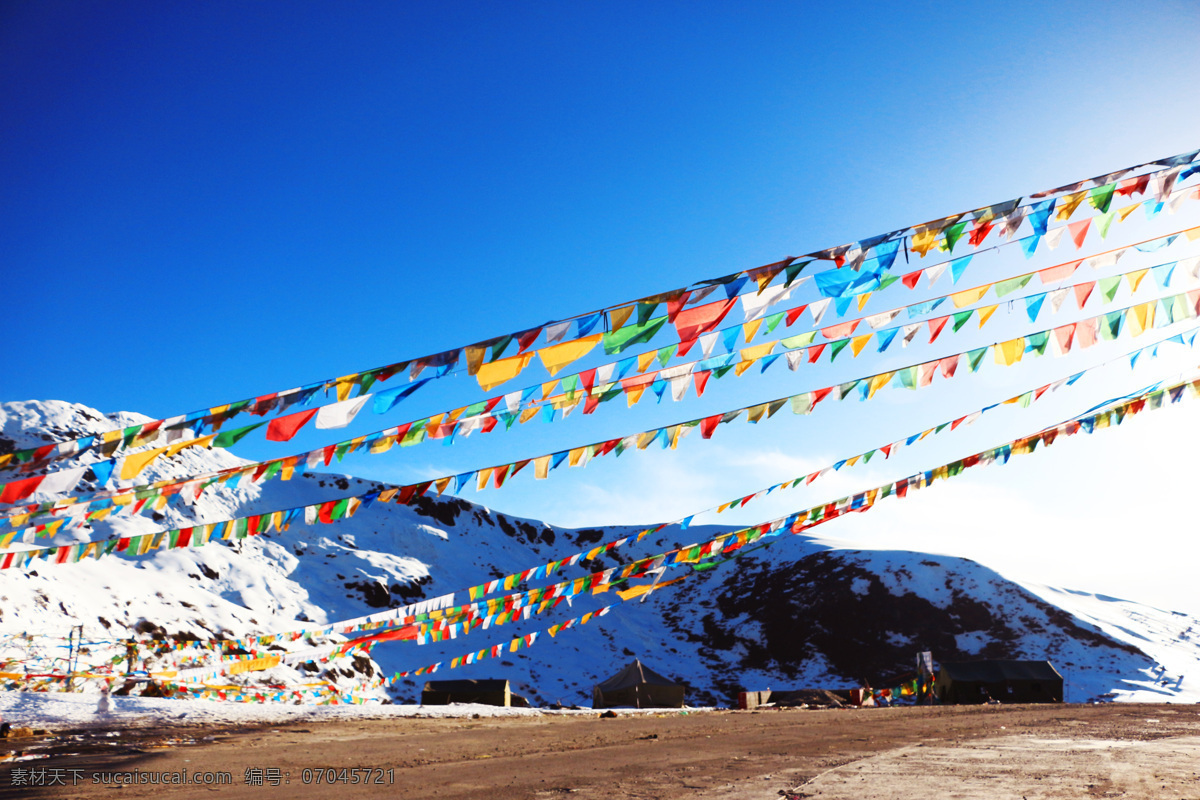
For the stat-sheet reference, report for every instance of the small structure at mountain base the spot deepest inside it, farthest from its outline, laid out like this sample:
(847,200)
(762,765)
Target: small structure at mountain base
(801,698)
(488,692)
(638,686)
(974,682)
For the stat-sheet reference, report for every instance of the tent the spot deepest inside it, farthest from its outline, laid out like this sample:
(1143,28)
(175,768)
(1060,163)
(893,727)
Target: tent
(486,692)
(968,682)
(638,686)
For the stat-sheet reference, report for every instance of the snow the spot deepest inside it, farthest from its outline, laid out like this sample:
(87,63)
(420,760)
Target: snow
(391,555)
(32,709)
(80,710)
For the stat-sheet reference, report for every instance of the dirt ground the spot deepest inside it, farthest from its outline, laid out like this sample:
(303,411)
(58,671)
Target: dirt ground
(1133,751)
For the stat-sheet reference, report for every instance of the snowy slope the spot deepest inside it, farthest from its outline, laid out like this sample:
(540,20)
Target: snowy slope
(801,612)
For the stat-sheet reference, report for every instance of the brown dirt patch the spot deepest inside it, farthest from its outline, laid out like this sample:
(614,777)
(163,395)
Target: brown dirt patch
(723,754)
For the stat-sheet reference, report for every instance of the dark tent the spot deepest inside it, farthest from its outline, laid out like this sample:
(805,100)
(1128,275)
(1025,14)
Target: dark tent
(486,692)
(637,686)
(968,682)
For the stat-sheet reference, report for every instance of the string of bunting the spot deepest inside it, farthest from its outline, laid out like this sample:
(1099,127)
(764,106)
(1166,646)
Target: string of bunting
(593,382)
(944,233)
(1084,334)
(596,384)
(496,651)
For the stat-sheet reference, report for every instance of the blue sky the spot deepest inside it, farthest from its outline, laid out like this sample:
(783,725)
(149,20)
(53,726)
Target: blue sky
(204,202)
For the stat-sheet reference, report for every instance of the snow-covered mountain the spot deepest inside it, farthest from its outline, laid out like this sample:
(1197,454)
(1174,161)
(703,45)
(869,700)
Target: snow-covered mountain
(803,612)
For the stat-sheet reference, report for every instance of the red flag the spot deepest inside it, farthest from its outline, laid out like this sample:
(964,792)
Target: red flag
(910,280)
(708,425)
(841,330)
(935,328)
(1083,291)
(17,491)
(527,338)
(980,232)
(818,395)
(675,305)
(1078,231)
(1131,186)
(701,379)
(692,322)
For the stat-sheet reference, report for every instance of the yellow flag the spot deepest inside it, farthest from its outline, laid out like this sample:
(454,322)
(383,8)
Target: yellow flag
(475,354)
(968,296)
(1126,211)
(986,313)
(344,385)
(541,467)
(633,394)
(382,445)
(756,413)
(1135,279)
(1068,204)
(1010,352)
(289,466)
(646,359)
(638,591)
(862,300)
(878,382)
(573,456)
(619,316)
(494,373)
(740,368)
(203,441)
(924,240)
(859,342)
(751,328)
(254,665)
(482,478)
(1140,318)
(758,351)
(676,435)
(558,356)
(134,463)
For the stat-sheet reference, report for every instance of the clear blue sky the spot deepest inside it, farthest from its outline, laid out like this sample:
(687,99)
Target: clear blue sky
(204,202)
